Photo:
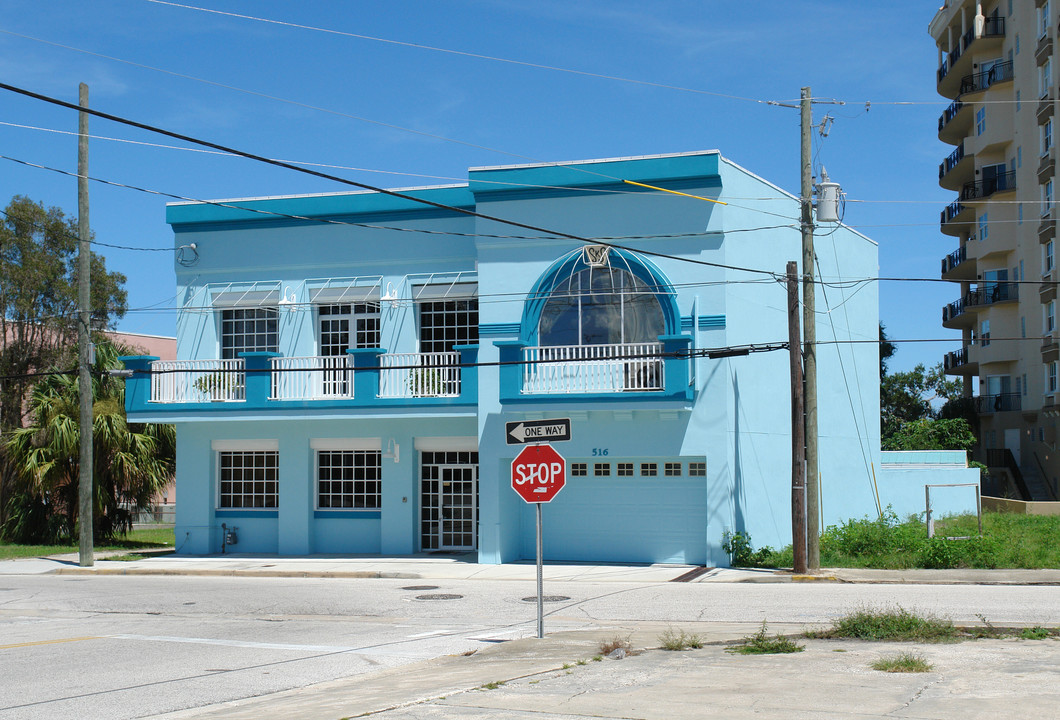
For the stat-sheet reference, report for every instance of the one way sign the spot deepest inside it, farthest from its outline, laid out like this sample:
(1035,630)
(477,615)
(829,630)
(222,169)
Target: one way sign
(537,431)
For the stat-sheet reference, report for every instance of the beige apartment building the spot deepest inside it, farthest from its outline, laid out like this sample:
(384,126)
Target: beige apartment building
(996,62)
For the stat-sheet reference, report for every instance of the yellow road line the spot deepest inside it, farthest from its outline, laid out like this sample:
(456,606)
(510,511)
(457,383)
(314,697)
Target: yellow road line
(48,642)
(674,192)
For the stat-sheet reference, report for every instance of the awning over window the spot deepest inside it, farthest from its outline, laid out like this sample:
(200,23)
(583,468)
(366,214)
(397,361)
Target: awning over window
(334,291)
(445,291)
(255,294)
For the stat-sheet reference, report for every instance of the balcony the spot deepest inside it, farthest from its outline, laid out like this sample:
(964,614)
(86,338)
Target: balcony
(956,218)
(1044,49)
(1047,227)
(957,266)
(957,169)
(955,122)
(1047,165)
(992,293)
(1045,109)
(580,373)
(954,315)
(979,189)
(948,76)
(359,380)
(986,79)
(1004,402)
(958,362)
(1047,290)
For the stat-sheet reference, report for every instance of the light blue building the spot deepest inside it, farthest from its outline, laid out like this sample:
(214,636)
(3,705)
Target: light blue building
(347,363)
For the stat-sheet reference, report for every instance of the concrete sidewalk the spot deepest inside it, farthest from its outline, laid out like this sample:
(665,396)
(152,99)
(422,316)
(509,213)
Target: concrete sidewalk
(464,567)
(559,677)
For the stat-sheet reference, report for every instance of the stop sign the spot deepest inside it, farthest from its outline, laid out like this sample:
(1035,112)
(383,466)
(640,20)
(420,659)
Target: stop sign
(538,473)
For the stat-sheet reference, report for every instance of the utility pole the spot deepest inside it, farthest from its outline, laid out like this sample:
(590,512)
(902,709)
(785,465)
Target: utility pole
(84,301)
(809,332)
(798,440)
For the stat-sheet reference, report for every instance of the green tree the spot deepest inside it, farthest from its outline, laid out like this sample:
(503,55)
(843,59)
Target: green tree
(917,394)
(38,305)
(887,349)
(932,434)
(131,462)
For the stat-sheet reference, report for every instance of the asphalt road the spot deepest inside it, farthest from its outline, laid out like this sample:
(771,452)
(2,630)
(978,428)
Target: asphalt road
(127,647)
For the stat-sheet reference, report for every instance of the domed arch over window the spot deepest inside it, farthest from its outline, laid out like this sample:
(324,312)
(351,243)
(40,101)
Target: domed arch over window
(599,295)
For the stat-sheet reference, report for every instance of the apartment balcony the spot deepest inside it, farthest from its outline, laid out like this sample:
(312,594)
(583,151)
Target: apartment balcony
(958,266)
(956,218)
(1047,290)
(956,315)
(959,61)
(959,362)
(361,380)
(1050,348)
(957,170)
(1045,109)
(960,313)
(980,82)
(580,373)
(1004,402)
(1044,49)
(981,189)
(1047,227)
(955,123)
(1047,165)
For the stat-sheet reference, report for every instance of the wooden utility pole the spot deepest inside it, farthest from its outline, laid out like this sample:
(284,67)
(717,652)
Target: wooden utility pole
(84,339)
(809,332)
(798,440)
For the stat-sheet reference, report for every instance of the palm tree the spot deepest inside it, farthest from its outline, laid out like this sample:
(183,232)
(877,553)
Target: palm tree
(131,462)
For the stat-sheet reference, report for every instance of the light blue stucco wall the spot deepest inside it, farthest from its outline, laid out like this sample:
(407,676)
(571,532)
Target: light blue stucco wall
(734,415)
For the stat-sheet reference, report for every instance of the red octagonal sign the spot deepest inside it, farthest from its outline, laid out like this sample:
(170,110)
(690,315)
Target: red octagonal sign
(538,473)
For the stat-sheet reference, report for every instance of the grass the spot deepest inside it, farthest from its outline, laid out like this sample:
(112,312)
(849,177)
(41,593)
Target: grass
(1008,541)
(616,643)
(140,539)
(491,685)
(762,644)
(902,663)
(680,640)
(884,624)
(1038,633)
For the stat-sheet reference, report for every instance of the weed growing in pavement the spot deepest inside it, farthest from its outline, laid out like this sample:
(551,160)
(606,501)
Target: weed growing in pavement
(616,643)
(492,685)
(881,624)
(987,631)
(680,640)
(567,666)
(762,644)
(902,663)
(1038,633)
(597,658)
(583,662)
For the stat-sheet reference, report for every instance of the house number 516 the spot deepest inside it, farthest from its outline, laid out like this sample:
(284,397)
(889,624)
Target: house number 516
(599,452)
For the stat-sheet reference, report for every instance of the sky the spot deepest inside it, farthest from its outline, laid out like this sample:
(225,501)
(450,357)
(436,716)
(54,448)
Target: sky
(414,92)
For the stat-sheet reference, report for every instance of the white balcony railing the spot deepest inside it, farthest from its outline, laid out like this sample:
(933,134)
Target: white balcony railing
(412,375)
(312,378)
(189,381)
(593,368)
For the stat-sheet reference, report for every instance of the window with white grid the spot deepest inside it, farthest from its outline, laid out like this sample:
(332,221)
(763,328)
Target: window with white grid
(349,479)
(347,325)
(248,330)
(248,479)
(445,323)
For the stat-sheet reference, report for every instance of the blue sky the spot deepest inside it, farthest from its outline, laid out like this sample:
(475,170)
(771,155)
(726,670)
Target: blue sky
(393,114)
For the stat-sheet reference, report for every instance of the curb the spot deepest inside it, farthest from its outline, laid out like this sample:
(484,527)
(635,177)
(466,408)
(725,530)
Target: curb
(366,574)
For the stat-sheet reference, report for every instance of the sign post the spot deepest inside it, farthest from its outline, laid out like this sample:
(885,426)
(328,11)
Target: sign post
(538,474)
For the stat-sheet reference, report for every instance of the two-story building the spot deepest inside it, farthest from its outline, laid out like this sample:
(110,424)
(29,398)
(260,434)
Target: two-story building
(347,363)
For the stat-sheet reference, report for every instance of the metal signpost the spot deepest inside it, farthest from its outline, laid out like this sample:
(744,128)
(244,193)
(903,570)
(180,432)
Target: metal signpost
(538,474)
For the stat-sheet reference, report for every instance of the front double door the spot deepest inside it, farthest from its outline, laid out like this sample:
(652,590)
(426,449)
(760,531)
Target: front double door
(449,501)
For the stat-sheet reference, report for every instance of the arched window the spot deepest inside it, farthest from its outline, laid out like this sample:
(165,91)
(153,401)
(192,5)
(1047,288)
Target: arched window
(601,306)
(602,296)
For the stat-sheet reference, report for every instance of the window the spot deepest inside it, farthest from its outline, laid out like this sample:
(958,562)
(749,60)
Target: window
(1019,156)
(1017,43)
(625,469)
(649,469)
(1047,198)
(248,330)
(1045,137)
(984,333)
(601,307)
(697,469)
(1023,327)
(672,469)
(984,226)
(1043,19)
(980,121)
(1050,377)
(1045,78)
(602,469)
(346,326)
(1024,385)
(447,323)
(349,479)
(1047,258)
(1049,317)
(248,479)
(579,469)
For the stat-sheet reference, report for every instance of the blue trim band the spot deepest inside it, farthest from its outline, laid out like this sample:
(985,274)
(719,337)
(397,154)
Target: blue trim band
(351,514)
(711,322)
(247,513)
(492,329)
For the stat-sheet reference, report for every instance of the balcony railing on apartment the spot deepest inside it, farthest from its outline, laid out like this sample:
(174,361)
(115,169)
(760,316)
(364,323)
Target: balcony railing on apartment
(952,210)
(956,359)
(311,378)
(988,186)
(993,26)
(198,381)
(951,162)
(983,80)
(994,292)
(1003,402)
(954,259)
(593,368)
(417,375)
(949,113)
